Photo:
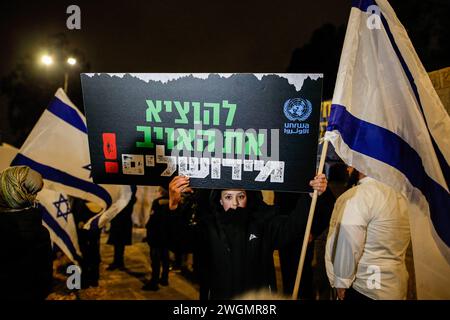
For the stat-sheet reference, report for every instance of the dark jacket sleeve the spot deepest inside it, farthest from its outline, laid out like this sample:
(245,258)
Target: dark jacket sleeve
(182,232)
(44,263)
(322,215)
(285,227)
(26,256)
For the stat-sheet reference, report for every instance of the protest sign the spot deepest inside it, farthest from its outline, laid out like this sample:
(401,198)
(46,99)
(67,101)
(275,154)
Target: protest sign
(251,131)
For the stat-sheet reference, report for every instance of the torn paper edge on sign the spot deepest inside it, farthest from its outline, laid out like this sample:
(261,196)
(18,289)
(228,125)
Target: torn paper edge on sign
(294,79)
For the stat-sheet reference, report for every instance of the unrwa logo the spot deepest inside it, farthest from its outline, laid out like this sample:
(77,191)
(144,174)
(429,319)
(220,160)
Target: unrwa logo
(297,109)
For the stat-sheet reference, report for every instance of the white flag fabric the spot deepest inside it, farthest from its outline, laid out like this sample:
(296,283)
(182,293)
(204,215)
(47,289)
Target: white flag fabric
(388,122)
(7,154)
(56,212)
(58,218)
(57,148)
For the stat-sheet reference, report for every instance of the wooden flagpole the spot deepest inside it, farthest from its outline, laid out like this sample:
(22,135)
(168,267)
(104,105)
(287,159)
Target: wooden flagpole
(308,225)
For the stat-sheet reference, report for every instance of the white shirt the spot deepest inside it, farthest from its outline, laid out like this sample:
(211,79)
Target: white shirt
(367,241)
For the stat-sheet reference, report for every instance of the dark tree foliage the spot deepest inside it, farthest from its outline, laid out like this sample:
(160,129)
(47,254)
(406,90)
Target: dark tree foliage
(321,55)
(426,21)
(30,87)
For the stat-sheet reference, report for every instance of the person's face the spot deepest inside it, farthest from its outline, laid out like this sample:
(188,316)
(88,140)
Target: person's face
(233,199)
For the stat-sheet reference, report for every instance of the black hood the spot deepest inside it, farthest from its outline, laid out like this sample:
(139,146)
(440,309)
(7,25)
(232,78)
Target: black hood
(254,200)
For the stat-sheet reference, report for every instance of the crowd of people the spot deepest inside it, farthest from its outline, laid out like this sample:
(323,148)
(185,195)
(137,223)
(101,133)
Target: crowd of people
(232,235)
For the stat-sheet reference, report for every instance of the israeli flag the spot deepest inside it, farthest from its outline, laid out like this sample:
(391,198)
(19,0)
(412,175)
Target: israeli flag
(7,154)
(58,218)
(388,122)
(57,148)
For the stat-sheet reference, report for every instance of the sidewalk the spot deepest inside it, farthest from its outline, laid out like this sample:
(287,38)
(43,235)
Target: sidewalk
(126,285)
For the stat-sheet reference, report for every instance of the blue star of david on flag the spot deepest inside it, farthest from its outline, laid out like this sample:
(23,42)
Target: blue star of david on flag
(62,207)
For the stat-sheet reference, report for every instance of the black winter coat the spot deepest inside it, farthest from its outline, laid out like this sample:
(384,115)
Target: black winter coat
(121,231)
(157,233)
(235,248)
(26,256)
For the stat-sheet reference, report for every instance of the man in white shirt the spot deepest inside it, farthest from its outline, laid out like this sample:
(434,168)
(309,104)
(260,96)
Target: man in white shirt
(367,241)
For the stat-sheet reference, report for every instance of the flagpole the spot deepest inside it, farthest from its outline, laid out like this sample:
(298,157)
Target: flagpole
(66,81)
(308,225)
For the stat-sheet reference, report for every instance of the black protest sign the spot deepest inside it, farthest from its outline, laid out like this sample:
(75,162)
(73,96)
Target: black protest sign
(250,131)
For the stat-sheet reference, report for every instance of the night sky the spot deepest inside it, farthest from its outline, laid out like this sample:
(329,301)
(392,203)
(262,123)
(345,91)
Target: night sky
(171,36)
(188,36)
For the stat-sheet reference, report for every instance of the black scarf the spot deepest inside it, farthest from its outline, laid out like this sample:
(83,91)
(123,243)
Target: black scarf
(232,226)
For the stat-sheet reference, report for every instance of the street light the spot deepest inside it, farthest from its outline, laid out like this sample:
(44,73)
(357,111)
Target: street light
(71,61)
(47,60)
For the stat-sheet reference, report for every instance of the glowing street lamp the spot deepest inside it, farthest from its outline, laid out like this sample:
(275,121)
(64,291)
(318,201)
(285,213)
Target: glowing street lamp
(47,60)
(72,61)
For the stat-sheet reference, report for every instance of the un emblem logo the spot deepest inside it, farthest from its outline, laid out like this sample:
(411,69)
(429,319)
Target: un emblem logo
(297,109)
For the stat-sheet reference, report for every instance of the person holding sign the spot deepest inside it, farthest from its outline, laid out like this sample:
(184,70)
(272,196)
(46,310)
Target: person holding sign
(235,241)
